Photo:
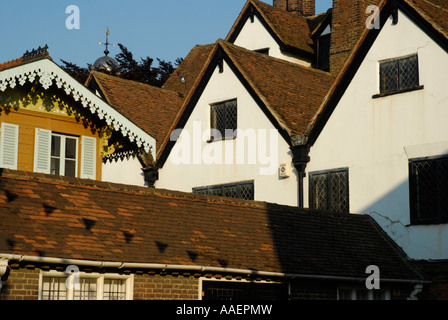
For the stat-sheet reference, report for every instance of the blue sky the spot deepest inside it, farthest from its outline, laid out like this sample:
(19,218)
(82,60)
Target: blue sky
(159,29)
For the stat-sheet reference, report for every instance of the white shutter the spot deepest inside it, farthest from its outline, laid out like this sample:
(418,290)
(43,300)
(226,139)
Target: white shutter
(88,158)
(42,151)
(9,146)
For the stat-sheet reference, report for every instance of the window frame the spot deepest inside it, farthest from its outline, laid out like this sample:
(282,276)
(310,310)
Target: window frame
(328,204)
(382,92)
(415,213)
(385,293)
(69,293)
(62,151)
(223,136)
(200,190)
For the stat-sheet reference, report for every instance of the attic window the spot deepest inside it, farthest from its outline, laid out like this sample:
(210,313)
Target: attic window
(223,120)
(399,75)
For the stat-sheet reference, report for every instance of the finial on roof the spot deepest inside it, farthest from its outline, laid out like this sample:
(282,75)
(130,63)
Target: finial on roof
(106,52)
(106,62)
(35,53)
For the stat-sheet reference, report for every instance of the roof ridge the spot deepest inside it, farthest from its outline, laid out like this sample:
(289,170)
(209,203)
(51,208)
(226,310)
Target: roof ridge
(132,81)
(275,59)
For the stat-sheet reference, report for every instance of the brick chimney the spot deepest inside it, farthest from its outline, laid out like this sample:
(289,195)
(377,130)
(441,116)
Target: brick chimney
(301,7)
(348,22)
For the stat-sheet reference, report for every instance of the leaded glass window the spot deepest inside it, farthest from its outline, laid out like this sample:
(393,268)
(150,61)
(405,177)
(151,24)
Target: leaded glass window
(240,190)
(428,185)
(223,120)
(399,74)
(329,191)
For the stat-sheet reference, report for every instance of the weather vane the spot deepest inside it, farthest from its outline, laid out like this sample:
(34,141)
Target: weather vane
(106,52)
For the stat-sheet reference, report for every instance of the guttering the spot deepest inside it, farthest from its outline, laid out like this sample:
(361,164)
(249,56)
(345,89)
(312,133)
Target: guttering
(164,267)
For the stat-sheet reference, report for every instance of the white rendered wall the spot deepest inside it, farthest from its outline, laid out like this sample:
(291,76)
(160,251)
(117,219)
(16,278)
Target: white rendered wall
(254,36)
(127,171)
(375,138)
(184,177)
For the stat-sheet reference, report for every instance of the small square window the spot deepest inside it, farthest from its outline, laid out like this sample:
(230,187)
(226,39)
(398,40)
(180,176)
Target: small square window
(399,74)
(329,191)
(223,120)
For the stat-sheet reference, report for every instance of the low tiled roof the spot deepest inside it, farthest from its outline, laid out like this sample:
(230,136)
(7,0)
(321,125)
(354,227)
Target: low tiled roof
(151,108)
(68,218)
(291,29)
(291,91)
(189,69)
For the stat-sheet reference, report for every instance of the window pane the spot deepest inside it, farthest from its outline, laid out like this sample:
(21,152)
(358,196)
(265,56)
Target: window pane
(247,191)
(338,191)
(55,146)
(114,289)
(389,76)
(55,166)
(319,192)
(70,168)
(53,288)
(70,148)
(87,289)
(408,72)
(231,118)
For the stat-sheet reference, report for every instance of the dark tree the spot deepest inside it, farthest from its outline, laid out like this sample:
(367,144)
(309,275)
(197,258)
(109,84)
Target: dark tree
(129,68)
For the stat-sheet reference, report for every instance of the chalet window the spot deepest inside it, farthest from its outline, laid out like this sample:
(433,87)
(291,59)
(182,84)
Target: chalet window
(428,186)
(9,145)
(64,155)
(241,190)
(53,286)
(223,120)
(399,75)
(58,154)
(329,191)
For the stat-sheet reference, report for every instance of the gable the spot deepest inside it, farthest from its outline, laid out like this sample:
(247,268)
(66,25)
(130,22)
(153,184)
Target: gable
(47,74)
(290,32)
(388,9)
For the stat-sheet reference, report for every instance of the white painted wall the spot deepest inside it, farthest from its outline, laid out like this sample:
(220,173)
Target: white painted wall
(127,171)
(375,138)
(254,36)
(185,177)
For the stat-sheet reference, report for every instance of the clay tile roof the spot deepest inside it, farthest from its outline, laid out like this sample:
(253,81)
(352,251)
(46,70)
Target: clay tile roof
(151,108)
(190,69)
(10,64)
(291,29)
(69,218)
(292,92)
(433,11)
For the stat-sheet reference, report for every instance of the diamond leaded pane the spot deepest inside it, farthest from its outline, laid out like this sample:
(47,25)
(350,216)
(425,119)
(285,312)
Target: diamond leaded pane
(231,117)
(247,191)
(224,119)
(429,188)
(389,76)
(215,191)
(231,191)
(408,72)
(319,191)
(338,191)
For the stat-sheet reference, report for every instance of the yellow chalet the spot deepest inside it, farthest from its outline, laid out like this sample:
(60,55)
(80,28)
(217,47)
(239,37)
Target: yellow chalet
(52,124)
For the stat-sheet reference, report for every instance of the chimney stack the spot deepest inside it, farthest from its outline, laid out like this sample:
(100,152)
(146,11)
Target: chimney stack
(348,22)
(301,7)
